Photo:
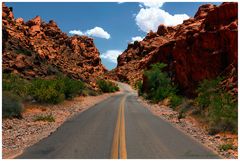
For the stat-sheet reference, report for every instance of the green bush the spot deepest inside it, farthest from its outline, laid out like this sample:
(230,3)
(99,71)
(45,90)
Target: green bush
(56,90)
(43,90)
(89,92)
(15,84)
(47,91)
(225,147)
(72,87)
(11,105)
(138,86)
(46,118)
(159,84)
(217,106)
(205,90)
(107,86)
(175,100)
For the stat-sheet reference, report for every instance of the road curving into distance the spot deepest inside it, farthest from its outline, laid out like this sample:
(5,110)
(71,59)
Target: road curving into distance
(118,127)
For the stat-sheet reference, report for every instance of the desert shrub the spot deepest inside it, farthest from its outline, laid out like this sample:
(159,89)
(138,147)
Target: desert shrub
(175,100)
(46,118)
(11,105)
(55,90)
(89,92)
(159,84)
(43,90)
(205,90)
(47,91)
(138,86)
(72,87)
(181,114)
(107,86)
(15,84)
(24,51)
(218,106)
(225,147)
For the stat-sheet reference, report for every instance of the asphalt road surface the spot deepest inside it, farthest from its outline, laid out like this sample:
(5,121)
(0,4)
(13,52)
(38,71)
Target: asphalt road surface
(118,127)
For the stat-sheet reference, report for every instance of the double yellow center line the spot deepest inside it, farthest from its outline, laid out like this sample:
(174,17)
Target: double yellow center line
(119,138)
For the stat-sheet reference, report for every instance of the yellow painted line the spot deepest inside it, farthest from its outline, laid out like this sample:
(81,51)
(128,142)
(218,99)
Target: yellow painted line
(119,137)
(123,149)
(114,153)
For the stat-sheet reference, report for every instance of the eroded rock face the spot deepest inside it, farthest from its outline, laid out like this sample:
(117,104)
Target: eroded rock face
(203,47)
(38,49)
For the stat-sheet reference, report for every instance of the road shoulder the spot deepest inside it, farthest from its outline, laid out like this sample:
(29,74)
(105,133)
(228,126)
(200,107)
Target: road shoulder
(18,134)
(192,128)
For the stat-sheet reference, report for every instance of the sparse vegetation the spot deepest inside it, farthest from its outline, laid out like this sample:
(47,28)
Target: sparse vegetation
(24,51)
(46,118)
(138,86)
(107,86)
(175,100)
(53,90)
(214,103)
(159,86)
(181,114)
(47,91)
(217,106)
(15,84)
(89,92)
(11,106)
(72,87)
(56,90)
(226,147)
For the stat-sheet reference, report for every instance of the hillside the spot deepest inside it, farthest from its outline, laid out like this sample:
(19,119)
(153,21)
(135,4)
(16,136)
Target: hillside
(202,47)
(35,49)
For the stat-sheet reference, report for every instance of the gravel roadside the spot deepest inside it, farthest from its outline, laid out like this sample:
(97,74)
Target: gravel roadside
(18,134)
(191,127)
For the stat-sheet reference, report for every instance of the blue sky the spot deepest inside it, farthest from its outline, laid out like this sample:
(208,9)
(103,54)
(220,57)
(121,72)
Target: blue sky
(112,25)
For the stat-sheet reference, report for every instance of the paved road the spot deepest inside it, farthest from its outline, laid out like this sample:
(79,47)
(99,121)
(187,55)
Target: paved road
(118,127)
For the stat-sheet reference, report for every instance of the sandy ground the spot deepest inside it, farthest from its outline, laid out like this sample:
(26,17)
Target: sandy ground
(193,128)
(18,134)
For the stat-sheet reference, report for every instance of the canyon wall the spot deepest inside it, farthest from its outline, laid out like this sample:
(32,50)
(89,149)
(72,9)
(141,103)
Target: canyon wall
(202,47)
(38,49)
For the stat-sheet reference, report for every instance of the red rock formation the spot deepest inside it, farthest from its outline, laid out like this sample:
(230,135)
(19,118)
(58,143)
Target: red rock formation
(38,49)
(203,47)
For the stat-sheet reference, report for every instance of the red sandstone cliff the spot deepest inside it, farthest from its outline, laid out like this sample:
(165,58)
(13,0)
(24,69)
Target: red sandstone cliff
(203,47)
(38,49)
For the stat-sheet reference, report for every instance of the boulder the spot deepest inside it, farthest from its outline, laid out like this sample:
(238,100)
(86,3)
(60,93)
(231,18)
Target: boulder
(162,30)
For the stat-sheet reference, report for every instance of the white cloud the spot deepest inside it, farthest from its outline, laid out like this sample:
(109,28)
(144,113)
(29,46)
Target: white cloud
(151,16)
(111,55)
(76,32)
(95,32)
(137,38)
(152,4)
(98,32)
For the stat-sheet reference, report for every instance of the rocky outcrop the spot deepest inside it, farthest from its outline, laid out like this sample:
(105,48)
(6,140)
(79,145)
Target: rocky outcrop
(39,49)
(202,47)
